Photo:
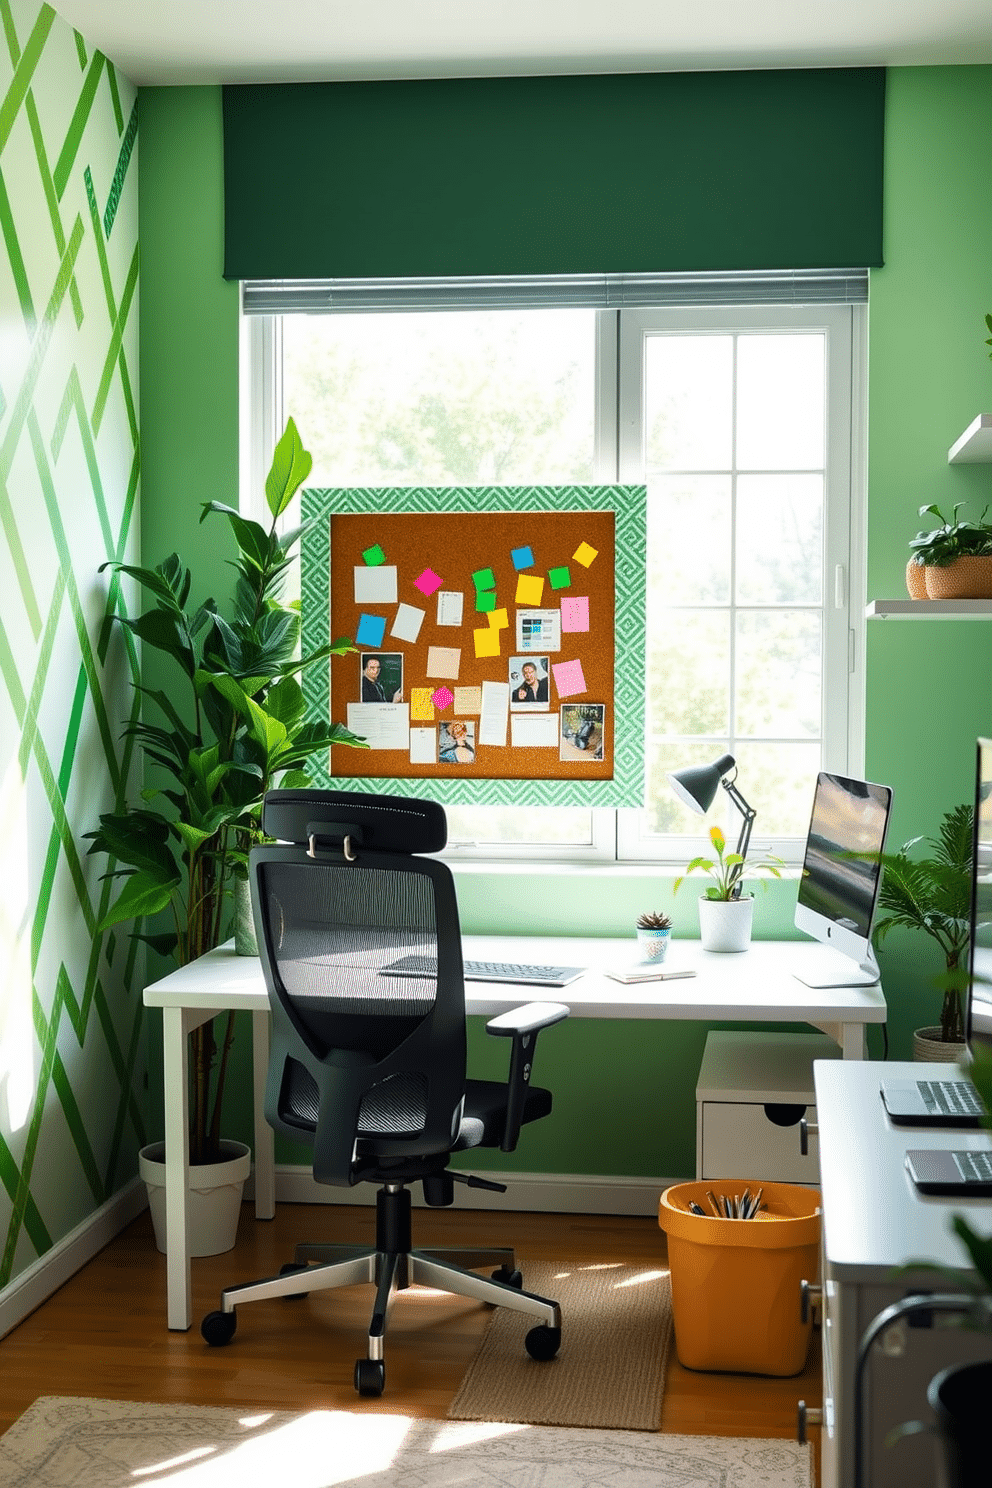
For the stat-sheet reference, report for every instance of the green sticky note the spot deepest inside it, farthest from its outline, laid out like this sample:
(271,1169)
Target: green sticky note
(559,578)
(484,578)
(373,556)
(485,601)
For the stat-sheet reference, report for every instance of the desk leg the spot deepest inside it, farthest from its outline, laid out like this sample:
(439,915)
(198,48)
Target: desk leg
(853,1040)
(175,1068)
(265,1175)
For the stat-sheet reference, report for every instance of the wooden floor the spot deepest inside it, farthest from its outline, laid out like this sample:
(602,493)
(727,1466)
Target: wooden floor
(104,1333)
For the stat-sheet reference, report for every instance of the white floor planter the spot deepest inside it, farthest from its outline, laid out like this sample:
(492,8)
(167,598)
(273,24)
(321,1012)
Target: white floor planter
(725,924)
(214,1197)
(929,1047)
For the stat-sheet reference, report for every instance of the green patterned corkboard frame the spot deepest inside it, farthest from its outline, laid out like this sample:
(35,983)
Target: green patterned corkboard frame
(628,505)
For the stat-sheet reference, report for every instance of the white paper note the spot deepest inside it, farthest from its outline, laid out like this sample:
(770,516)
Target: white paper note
(450,605)
(382,725)
(423,746)
(407,622)
(495,712)
(534,730)
(375,585)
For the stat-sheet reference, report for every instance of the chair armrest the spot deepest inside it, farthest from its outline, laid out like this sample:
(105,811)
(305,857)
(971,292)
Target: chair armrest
(522,1024)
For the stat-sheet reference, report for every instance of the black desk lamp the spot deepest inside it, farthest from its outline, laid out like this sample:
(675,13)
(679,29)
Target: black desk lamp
(696,787)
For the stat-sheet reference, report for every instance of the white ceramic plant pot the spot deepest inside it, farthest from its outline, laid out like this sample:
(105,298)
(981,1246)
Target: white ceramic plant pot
(929,1047)
(214,1197)
(725,924)
(653,944)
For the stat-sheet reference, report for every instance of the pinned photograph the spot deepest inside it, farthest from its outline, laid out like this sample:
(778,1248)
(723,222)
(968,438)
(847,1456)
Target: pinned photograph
(529,682)
(456,743)
(582,731)
(382,677)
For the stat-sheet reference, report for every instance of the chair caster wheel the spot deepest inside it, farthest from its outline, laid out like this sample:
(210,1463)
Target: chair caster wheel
(509,1276)
(291,1269)
(218,1328)
(370,1376)
(543,1342)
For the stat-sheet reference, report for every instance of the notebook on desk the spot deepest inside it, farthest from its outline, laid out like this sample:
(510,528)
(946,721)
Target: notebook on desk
(951,1174)
(919,1102)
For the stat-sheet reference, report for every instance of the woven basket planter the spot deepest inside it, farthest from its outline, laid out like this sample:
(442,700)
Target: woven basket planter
(916,580)
(966,578)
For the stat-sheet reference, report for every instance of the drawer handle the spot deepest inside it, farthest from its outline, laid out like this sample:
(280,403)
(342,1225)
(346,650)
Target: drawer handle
(807,1293)
(806,1416)
(805,1127)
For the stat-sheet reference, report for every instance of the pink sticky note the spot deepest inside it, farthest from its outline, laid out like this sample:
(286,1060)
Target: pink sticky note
(442,697)
(575,613)
(427,582)
(569,678)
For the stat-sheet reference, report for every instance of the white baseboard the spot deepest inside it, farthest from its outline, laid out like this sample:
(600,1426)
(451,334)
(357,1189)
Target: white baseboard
(50,1271)
(550,1193)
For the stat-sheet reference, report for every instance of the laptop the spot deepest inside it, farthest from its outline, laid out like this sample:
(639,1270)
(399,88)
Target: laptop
(950,1102)
(953,1174)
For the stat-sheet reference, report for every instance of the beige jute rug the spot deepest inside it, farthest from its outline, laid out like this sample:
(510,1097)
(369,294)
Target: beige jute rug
(81,1443)
(610,1370)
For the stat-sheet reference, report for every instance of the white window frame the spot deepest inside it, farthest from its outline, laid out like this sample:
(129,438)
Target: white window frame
(616,836)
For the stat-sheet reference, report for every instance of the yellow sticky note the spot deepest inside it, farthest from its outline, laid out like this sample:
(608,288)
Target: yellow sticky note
(421,707)
(486,642)
(530,587)
(584,554)
(498,620)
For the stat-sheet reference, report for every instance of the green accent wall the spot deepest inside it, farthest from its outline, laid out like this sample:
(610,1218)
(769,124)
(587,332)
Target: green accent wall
(71,1054)
(928,687)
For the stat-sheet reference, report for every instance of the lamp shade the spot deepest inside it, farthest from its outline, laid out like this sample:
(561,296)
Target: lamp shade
(697,785)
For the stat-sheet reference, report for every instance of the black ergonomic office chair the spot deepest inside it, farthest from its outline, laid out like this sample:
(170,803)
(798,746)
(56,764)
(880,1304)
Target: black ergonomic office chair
(361,951)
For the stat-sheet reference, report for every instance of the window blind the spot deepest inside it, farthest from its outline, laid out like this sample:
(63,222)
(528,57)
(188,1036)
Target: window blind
(581,175)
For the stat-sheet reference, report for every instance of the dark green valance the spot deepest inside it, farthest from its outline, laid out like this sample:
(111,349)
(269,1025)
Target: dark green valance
(554,175)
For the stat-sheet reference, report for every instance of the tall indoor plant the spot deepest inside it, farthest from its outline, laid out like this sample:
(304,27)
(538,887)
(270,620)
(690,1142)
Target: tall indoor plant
(231,724)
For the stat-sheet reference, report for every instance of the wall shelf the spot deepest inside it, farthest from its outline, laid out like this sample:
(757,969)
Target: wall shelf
(975,445)
(929,609)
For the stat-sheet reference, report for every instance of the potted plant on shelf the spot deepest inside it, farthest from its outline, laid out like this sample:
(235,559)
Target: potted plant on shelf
(933,894)
(725,913)
(654,931)
(233,723)
(952,561)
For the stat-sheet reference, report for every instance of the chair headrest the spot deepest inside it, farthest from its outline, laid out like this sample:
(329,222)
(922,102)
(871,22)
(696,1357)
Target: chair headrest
(380,823)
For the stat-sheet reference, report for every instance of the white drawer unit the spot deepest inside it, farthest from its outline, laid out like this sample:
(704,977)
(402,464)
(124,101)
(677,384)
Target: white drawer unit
(753,1090)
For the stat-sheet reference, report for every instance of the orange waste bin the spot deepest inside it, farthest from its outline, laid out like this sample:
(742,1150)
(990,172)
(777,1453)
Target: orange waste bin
(736,1295)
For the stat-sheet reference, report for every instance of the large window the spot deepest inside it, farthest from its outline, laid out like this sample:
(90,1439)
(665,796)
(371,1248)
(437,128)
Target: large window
(745,425)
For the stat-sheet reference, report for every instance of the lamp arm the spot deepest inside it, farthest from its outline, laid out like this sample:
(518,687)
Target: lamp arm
(748,813)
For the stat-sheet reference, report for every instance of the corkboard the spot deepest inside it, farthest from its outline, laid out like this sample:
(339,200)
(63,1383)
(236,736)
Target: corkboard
(481,555)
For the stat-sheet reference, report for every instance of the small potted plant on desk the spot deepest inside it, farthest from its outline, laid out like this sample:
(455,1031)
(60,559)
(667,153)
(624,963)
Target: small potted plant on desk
(654,931)
(933,894)
(725,912)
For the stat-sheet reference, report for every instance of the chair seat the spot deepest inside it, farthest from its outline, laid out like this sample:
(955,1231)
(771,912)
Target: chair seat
(484,1116)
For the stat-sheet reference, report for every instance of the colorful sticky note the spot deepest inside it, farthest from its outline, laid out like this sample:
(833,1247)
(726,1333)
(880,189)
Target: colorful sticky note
(442,697)
(569,678)
(468,700)
(575,613)
(530,588)
(421,705)
(427,582)
(485,601)
(484,578)
(486,642)
(584,554)
(522,558)
(371,629)
(498,619)
(374,556)
(559,578)
(443,661)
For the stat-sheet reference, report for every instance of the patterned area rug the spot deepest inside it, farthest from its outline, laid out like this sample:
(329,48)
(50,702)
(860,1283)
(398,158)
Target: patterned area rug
(79,1443)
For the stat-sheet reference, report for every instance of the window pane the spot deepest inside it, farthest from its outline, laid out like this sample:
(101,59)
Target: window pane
(444,398)
(778,781)
(780,539)
(689,515)
(664,812)
(780,410)
(688,660)
(688,402)
(493,824)
(779,671)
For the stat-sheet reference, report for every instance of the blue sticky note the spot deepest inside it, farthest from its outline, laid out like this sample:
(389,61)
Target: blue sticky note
(522,558)
(371,629)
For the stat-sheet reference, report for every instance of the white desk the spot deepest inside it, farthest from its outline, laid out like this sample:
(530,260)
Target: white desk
(756,986)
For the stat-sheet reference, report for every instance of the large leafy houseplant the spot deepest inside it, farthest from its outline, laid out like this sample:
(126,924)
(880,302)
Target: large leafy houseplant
(231,726)
(933,894)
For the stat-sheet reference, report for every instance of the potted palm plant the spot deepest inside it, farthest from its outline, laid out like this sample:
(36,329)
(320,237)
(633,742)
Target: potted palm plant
(725,913)
(933,894)
(231,725)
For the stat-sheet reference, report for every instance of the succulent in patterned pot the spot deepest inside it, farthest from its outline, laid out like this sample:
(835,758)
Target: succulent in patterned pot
(654,931)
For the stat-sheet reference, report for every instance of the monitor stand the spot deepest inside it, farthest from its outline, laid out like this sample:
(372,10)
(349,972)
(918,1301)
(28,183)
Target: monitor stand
(822,966)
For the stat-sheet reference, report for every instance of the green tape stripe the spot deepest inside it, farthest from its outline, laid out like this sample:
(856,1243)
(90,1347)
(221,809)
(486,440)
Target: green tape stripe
(47,1032)
(10,32)
(115,96)
(101,247)
(72,734)
(77,1129)
(11,676)
(18,270)
(51,201)
(81,51)
(74,137)
(115,352)
(29,721)
(24,72)
(123,161)
(25,1215)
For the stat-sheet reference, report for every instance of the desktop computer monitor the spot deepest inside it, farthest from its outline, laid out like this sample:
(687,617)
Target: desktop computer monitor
(978,1013)
(839,883)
